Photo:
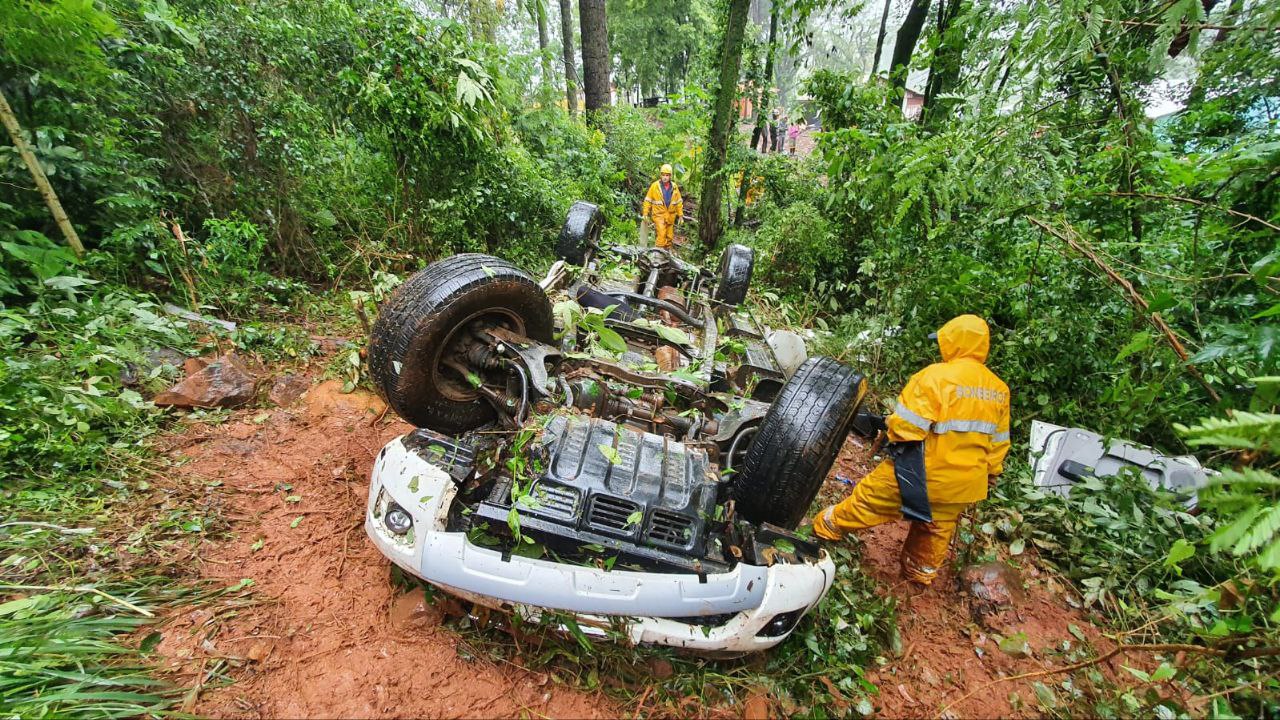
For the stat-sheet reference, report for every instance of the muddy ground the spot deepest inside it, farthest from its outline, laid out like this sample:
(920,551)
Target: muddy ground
(330,635)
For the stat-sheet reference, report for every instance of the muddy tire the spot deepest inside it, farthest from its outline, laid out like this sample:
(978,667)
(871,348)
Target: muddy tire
(420,321)
(581,233)
(736,263)
(797,442)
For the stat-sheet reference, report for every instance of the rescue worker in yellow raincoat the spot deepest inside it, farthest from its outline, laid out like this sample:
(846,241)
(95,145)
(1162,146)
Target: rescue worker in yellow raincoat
(664,206)
(948,437)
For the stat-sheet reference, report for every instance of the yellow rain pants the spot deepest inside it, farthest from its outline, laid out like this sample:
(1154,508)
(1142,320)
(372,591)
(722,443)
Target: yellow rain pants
(664,214)
(875,501)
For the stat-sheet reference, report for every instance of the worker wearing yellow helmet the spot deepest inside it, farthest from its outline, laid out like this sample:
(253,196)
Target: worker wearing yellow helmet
(664,206)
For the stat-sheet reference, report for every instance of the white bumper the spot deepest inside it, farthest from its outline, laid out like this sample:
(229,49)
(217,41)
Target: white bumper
(750,596)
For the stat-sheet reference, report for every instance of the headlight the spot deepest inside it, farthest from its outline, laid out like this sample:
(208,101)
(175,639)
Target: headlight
(397,519)
(781,624)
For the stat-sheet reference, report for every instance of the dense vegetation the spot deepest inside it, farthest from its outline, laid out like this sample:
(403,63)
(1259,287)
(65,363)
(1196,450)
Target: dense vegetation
(255,160)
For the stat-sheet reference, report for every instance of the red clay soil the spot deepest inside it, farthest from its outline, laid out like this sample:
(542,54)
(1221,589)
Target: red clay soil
(328,636)
(950,647)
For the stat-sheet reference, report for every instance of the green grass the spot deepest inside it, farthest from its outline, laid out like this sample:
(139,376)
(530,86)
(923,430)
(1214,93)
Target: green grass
(61,656)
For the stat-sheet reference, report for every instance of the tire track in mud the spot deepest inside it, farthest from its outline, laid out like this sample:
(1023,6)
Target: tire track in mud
(327,635)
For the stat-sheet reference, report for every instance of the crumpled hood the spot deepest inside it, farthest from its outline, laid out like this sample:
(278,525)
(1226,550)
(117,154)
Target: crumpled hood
(966,336)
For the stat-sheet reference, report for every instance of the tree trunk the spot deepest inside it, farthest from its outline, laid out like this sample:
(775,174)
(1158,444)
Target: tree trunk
(37,174)
(570,67)
(905,45)
(762,108)
(722,126)
(595,54)
(884,20)
(944,69)
(540,15)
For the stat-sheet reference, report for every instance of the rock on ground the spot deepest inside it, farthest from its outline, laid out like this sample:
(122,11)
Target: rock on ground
(225,382)
(995,584)
(286,389)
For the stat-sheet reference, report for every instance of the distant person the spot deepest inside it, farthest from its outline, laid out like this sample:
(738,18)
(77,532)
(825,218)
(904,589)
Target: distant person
(664,206)
(764,128)
(779,130)
(793,136)
(948,437)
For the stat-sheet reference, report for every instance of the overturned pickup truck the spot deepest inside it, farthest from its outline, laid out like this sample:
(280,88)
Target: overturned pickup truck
(621,442)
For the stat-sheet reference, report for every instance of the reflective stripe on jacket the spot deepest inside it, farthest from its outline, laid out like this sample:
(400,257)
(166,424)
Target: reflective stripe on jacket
(655,207)
(960,409)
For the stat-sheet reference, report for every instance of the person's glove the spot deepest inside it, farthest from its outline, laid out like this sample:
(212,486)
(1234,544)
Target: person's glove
(868,425)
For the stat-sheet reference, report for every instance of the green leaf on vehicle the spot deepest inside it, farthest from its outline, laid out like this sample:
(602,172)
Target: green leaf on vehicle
(513,522)
(612,341)
(610,454)
(672,334)
(784,545)
(635,518)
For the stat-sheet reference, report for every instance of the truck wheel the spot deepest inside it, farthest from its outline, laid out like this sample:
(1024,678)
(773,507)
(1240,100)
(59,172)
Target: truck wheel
(736,263)
(424,329)
(797,442)
(581,233)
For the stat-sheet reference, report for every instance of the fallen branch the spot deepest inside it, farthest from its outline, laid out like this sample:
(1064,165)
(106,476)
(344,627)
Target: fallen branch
(1199,203)
(197,317)
(1152,647)
(48,526)
(51,200)
(82,589)
(1201,26)
(1077,243)
(181,237)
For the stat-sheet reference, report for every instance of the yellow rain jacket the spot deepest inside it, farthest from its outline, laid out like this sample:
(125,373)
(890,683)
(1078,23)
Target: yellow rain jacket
(664,214)
(960,409)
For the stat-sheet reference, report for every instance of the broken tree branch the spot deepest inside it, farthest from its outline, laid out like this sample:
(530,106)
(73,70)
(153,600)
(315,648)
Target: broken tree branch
(37,173)
(1200,203)
(83,589)
(1139,303)
(1201,26)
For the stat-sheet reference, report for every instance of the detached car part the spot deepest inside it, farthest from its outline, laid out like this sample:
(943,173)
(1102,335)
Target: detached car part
(543,478)
(1064,456)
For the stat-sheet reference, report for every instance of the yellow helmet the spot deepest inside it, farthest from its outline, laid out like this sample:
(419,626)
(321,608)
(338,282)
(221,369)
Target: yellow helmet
(666,168)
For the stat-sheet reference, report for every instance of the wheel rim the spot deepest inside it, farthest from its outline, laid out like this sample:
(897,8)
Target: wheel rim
(455,346)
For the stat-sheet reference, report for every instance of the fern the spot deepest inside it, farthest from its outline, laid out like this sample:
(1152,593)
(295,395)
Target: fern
(1243,430)
(1246,500)
(1245,477)
(1266,527)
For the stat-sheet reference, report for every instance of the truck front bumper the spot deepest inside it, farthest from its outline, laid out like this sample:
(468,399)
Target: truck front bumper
(746,609)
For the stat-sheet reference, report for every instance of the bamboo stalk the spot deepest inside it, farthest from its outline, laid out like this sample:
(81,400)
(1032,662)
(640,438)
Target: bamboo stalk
(37,174)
